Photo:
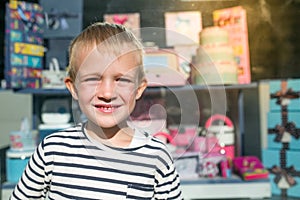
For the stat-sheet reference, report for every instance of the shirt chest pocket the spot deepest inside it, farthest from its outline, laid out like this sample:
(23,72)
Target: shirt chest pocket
(135,191)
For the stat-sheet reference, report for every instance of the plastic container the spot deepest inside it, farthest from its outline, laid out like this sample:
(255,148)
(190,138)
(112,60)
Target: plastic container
(22,141)
(56,111)
(16,162)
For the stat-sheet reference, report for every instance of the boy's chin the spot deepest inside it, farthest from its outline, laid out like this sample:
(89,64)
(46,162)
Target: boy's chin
(112,125)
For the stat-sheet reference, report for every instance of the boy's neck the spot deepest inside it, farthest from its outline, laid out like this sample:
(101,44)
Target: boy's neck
(118,136)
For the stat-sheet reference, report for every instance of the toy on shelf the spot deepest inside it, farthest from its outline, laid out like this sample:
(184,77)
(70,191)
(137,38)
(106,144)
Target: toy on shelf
(183,137)
(250,168)
(223,132)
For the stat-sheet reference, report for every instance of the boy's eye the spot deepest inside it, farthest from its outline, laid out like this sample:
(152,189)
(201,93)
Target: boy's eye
(91,79)
(124,80)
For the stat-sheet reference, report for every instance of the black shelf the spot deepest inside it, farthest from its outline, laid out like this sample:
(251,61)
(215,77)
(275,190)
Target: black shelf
(149,89)
(205,87)
(42,91)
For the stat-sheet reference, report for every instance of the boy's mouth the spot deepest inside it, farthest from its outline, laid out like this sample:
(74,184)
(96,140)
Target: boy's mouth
(107,108)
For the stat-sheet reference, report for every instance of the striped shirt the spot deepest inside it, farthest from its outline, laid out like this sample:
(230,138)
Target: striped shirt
(70,165)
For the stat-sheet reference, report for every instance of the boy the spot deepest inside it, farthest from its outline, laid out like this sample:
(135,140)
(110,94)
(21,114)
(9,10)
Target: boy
(102,158)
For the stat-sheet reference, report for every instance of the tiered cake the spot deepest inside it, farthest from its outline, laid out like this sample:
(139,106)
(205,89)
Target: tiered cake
(214,61)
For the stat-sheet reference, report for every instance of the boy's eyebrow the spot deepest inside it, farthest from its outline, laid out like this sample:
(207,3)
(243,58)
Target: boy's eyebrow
(127,74)
(82,75)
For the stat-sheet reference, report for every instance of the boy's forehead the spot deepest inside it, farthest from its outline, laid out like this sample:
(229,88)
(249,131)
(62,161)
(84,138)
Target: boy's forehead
(108,54)
(101,61)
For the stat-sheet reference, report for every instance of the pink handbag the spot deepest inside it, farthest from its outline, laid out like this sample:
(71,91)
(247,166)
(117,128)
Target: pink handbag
(218,138)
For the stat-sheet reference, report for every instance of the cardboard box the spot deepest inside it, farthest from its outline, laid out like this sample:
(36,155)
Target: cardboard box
(290,133)
(271,158)
(291,89)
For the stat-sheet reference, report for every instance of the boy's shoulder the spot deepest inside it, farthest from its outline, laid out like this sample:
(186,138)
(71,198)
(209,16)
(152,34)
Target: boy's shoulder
(158,142)
(68,132)
(150,139)
(158,145)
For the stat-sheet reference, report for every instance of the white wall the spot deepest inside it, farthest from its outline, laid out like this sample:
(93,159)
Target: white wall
(13,108)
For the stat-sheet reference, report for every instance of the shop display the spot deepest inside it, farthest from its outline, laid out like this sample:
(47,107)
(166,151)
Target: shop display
(16,162)
(22,140)
(185,56)
(205,156)
(214,62)
(129,20)
(62,18)
(281,156)
(183,137)
(57,48)
(234,20)
(250,168)
(213,36)
(54,77)
(22,145)
(162,68)
(213,145)
(193,155)
(182,28)
(209,167)
(216,146)
(187,165)
(224,134)
(56,115)
(284,93)
(24,44)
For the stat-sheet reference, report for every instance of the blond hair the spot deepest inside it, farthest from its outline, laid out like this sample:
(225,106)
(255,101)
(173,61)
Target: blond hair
(113,38)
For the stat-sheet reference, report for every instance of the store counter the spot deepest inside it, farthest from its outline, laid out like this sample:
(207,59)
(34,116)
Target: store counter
(207,188)
(225,188)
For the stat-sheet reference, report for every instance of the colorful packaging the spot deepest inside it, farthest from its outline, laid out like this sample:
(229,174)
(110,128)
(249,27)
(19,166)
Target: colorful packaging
(24,50)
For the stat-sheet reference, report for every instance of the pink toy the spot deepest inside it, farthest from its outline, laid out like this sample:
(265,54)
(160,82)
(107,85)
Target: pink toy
(210,169)
(183,136)
(250,168)
(223,133)
(225,168)
(218,117)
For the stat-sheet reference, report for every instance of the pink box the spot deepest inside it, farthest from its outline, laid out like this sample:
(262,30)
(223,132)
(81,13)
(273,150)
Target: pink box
(129,20)
(250,168)
(234,20)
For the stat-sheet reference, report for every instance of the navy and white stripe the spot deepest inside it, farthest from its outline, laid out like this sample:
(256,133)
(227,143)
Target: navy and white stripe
(68,165)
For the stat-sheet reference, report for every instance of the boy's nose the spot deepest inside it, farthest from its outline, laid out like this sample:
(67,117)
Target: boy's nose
(106,90)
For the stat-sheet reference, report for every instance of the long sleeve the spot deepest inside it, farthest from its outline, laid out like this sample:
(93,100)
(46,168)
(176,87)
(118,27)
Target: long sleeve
(167,183)
(35,179)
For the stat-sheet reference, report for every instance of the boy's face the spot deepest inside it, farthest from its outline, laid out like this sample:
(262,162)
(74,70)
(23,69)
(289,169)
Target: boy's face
(107,88)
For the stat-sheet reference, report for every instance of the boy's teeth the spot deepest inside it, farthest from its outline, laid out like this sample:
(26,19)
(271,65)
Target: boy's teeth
(107,108)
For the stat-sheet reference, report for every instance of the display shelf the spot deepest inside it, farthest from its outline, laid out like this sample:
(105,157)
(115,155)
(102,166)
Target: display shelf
(241,101)
(42,91)
(208,87)
(149,89)
(225,188)
(207,188)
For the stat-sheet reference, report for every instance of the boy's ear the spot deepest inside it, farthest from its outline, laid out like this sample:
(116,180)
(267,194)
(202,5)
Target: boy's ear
(71,87)
(141,88)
